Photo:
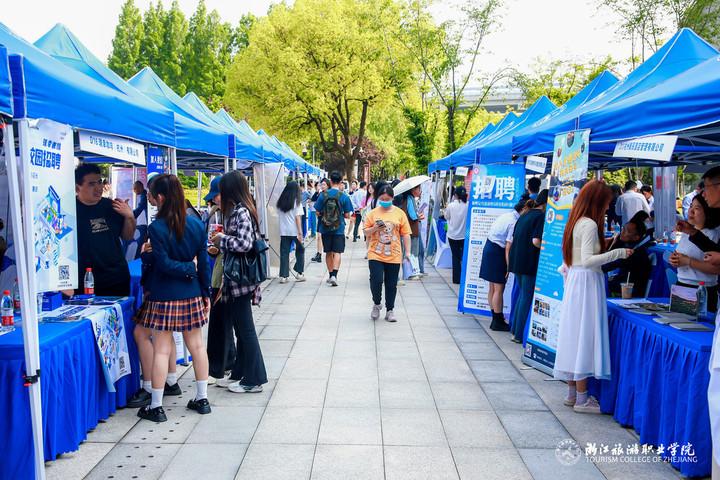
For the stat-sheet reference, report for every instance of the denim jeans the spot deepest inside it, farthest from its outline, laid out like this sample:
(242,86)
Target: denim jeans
(521,310)
(285,244)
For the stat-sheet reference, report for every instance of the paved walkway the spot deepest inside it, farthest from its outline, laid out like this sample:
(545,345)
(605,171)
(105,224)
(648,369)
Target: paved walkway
(436,395)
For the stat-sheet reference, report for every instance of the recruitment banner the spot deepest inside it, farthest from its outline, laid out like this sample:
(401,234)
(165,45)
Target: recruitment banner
(109,328)
(494,191)
(156,165)
(568,175)
(48,167)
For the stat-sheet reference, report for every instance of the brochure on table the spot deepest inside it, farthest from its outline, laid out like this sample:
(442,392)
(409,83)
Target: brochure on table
(494,191)
(568,175)
(49,187)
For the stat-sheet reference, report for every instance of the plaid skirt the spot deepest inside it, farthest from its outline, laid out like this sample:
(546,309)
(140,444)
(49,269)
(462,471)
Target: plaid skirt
(174,315)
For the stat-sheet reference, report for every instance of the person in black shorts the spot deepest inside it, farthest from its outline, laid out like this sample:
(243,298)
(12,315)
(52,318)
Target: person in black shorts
(333,207)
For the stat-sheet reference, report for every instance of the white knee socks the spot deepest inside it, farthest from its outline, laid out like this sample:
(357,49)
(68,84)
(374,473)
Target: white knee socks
(157,397)
(201,389)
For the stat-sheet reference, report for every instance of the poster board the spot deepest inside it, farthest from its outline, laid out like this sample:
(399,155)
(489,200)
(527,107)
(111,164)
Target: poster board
(568,175)
(121,179)
(8,272)
(494,191)
(156,165)
(49,186)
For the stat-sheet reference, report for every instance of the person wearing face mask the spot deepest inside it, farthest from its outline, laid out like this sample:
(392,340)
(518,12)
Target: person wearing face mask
(385,227)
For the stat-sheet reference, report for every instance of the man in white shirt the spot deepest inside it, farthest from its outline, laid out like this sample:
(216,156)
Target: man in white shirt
(630,202)
(687,199)
(358,199)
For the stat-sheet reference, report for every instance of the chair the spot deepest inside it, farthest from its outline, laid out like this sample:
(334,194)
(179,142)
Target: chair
(443,255)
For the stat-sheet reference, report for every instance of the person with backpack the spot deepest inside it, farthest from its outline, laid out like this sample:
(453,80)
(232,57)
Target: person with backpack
(333,207)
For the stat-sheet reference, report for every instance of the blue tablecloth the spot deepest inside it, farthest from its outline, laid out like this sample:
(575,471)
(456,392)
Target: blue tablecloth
(659,385)
(660,287)
(74,394)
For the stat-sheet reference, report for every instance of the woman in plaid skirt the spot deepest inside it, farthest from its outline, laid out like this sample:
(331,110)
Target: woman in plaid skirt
(179,292)
(241,229)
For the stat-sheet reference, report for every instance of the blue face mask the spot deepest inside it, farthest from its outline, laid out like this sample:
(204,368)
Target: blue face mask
(385,203)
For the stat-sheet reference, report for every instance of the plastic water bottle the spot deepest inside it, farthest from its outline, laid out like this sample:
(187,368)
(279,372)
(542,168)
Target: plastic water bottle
(16,296)
(701,294)
(89,282)
(7,312)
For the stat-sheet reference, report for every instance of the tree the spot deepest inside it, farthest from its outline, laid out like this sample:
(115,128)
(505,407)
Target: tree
(208,49)
(559,80)
(700,15)
(449,56)
(153,26)
(125,56)
(242,32)
(172,49)
(316,66)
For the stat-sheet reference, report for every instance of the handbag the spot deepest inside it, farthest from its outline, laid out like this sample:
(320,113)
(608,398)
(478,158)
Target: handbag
(247,269)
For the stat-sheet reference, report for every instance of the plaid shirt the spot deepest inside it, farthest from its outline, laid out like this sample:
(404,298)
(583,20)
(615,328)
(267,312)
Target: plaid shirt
(239,237)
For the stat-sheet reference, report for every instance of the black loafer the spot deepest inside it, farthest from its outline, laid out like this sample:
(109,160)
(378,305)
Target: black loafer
(141,398)
(173,390)
(201,406)
(156,414)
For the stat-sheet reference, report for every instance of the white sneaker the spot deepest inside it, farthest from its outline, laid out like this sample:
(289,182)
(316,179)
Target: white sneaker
(590,406)
(390,316)
(283,280)
(224,382)
(333,281)
(238,388)
(300,277)
(375,314)
(401,283)
(212,380)
(328,280)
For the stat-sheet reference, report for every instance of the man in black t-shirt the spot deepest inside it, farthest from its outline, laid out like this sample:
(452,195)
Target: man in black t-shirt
(101,223)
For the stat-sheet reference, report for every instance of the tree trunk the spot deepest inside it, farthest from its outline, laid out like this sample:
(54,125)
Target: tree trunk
(450,143)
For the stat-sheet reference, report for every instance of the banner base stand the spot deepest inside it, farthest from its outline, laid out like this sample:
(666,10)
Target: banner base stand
(537,365)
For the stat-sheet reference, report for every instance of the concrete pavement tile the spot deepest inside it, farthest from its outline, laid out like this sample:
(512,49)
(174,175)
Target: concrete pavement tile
(406,394)
(296,392)
(115,427)
(533,429)
(402,426)
(494,371)
(350,426)
(301,367)
(129,460)
(222,397)
(273,332)
(387,350)
(419,463)
(441,370)
(354,368)
(349,462)
(192,461)
(313,349)
(474,428)
(459,396)
(348,392)
(289,425)
(79,463)
(277,462)
(489,464)
(181,422)
(513,396)
(544,465)
(354,349)
(481,351)
(401,369)
(227,425)
(275,348)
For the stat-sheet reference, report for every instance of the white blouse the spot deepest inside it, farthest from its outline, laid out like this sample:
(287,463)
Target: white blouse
(688,274)
(586,247)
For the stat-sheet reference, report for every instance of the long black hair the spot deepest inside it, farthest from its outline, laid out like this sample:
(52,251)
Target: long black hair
(290,197)
(461,194)
(378,186)
(173,207)
(234,190)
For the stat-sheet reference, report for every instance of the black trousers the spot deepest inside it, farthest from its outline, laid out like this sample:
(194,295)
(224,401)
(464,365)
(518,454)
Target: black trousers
(384,273)
(456,247)
(249,365)
(285,244)
(220,342)
(358,219)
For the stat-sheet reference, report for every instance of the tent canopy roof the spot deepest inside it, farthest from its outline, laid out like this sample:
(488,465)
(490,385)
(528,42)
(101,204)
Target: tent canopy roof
(46,88)
(6,106)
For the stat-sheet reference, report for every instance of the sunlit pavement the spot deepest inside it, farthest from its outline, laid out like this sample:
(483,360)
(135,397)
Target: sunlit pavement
(436,395)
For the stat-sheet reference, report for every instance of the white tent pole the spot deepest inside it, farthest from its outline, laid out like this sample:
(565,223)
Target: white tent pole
(234,164)
(173,160)
(199,188)
(26,277)
(227,164)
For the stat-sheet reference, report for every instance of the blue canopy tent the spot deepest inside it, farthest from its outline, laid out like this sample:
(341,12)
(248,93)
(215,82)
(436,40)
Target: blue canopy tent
(683,51)
(499,147)
(6,106)
(289,162)
(255,149)
(503,148)
(444,163)
(687,104)
(465,155)
(199,146)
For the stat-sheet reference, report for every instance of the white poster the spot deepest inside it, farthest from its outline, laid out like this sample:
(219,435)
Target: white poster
(49,187)
(121,179)
(112,147)
(658,147)
(109,328)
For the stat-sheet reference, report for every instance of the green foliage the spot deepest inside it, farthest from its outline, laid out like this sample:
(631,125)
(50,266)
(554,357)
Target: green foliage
(700,15)
(125,56)
(154,28)
(316,68)
(172,50)
(559,80)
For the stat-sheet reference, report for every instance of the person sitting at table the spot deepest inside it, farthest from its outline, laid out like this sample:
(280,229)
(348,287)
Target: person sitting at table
(646,219)
(638,265)
(583,345)
(179,293)
(101,223)
(688,258)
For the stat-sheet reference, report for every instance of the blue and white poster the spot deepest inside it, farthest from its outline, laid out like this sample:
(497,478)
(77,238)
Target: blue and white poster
(568,175)
(109,329)
(49,187)
(156,165)
(494,190)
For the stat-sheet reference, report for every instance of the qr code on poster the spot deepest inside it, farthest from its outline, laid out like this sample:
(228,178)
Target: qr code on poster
(64,272)
(121,363)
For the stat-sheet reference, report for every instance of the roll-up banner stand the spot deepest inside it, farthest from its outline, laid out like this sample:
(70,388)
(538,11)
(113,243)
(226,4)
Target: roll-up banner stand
(568,175)
(494,191)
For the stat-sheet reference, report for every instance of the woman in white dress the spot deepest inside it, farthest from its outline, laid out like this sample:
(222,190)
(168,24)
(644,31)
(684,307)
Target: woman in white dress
(583,348)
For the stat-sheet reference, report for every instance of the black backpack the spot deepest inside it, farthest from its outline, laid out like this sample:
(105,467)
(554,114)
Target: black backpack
(331,212)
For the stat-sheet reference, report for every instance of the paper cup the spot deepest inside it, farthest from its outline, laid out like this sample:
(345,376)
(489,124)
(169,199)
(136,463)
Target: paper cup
(626,289)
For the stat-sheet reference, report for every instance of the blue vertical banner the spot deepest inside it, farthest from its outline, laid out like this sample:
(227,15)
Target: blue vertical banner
(568,175)
(494,190)
(156,165)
